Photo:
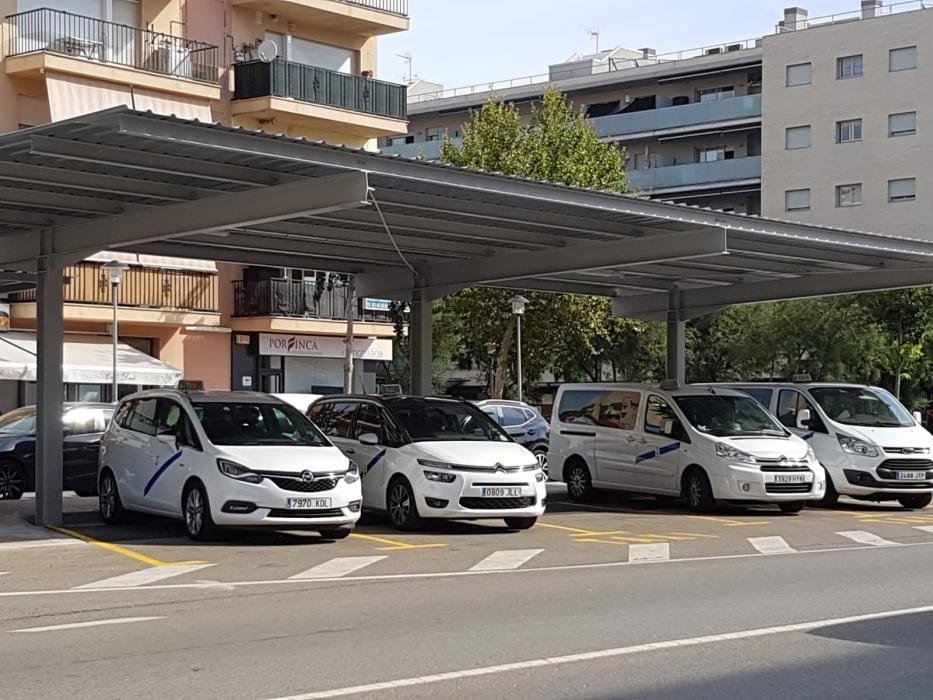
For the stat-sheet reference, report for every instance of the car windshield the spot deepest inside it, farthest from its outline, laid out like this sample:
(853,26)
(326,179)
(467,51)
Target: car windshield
(728,416)
(446,421)
(243,423)
(873,408)
(21,421)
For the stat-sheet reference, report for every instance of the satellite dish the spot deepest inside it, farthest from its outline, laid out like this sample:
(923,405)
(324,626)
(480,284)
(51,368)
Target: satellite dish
(268,50)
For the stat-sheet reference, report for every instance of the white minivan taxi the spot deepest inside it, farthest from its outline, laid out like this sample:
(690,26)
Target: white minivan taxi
(225,459)
(698,442)
(434,458)
(872,448)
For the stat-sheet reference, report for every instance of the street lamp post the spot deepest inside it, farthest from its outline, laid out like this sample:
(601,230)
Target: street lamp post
(115,270)
(518,308)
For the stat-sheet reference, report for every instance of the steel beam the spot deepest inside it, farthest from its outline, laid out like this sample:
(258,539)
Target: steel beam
(420,336)
(676,339)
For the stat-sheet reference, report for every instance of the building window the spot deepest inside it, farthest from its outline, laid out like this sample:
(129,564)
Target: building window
(400,140)
(798,74)
(903,124)
(711,155)
(902,190)
(902,59)
(714,94)
(849,131)
(435,133)
(849,67)
(797,200)
(797,137)
(849,195)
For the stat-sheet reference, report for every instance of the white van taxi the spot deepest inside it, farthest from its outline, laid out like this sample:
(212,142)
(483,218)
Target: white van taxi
(225,459)
(434,458)
(872,448)
(702,443)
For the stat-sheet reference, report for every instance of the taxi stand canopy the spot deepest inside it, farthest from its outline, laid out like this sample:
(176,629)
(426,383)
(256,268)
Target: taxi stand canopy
(407,229)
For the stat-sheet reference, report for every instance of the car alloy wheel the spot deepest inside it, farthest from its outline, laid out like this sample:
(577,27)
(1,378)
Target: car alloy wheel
(694,491)
(194,512)
(12,481)
(577,482)
(108,497)
(399,504)
(541,456)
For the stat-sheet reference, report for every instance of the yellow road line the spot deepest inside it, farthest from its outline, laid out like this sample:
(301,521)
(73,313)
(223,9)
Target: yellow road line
(674,537)
(696,534)
(728,522)
(117,549)
(393,544)
(596,541)
(567,529)
(637,540)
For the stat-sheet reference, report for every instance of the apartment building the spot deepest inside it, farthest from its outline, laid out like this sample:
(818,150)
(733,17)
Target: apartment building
(817,120)
(299,67)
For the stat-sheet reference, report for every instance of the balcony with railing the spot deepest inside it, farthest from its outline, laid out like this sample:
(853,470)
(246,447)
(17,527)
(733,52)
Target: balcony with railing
(360,17)
(298,299)
(683,118)
(700,175)
(95,42)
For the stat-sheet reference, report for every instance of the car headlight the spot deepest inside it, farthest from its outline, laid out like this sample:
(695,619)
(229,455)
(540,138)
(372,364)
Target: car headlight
(444,478)
(353,473)
(731,453)
(432,464)
(855,446)
(238,472)
(540,476)
(811,455)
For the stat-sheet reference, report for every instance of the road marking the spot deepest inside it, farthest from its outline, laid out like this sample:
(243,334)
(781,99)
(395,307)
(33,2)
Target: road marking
(863,537)
(615,652)
(649,552)
(697,535)
(117,549)
(141,578)
(771,545)
(35,544)
(729,522)
(925,528)
(393,544)
(335,568)
(506,559)
(91,623)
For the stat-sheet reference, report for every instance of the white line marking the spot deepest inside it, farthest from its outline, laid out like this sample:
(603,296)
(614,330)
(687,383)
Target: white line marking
(335,568)
(437,574)
(864,537)
(771,545)
(32,544)
(649,552)
(506,559)
(925,528)
(604,654)
(141,578)
(90,623)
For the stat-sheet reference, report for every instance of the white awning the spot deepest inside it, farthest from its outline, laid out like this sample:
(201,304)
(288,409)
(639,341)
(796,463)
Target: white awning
(88,360)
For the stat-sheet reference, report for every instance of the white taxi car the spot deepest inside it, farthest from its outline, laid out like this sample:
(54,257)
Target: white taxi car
(434,458)
(225,459)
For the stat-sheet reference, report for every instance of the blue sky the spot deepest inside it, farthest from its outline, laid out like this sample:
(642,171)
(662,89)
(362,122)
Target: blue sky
(466,42)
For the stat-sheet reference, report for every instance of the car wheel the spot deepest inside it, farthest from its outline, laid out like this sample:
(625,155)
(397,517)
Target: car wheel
(831,497)
(197,512)
(915,502)
(520,523)
(540,454)
(579,482)
(792,506)
(108,499)
(12,481)
(338,533)
(403,510)
(698,492)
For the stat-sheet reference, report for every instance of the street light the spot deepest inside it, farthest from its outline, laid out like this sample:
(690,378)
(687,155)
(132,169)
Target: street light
(115,270)
(518,308)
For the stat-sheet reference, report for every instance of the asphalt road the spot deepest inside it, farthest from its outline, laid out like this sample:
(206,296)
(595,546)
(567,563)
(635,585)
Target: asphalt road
(805,624)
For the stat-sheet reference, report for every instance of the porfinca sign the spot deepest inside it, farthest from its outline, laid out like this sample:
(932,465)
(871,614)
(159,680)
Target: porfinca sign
(321,346)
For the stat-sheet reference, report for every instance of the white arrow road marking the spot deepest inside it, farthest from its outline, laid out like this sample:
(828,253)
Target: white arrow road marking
(141,578)
(863,537)
(771,545)
(660,551)
(925,528)
(335,568)
(506,559)
(90,623)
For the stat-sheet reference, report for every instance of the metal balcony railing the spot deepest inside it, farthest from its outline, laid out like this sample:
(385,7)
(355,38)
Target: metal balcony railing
(690,174)
(56,31)
(295,299)
(393,7)
(321,86)
(662,118)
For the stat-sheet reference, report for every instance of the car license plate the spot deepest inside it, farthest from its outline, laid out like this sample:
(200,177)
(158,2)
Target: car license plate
(911,476)
(308,503)
(791,478)
(502,492)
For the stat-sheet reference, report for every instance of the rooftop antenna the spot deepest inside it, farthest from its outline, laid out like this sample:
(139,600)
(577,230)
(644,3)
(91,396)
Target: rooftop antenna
(594,34)
(407,57)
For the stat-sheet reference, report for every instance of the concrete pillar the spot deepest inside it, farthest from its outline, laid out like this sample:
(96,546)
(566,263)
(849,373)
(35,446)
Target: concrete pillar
(676,340)
(420,337)
(50,393)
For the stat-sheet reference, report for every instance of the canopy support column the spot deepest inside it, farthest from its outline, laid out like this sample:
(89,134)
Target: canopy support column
(50,392)
(420,335)
(676,339)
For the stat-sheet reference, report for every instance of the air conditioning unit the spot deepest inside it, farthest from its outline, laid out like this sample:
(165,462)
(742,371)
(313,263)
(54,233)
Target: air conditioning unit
(713,51)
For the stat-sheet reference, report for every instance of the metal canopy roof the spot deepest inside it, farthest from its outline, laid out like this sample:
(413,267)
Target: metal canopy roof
(135,181)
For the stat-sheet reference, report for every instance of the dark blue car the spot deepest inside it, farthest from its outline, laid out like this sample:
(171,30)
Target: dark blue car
(526,426)
(84,424)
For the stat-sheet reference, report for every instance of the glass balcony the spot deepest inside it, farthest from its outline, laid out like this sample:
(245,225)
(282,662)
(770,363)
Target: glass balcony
(427,150)
(694,174)
(698,114)
(299,299)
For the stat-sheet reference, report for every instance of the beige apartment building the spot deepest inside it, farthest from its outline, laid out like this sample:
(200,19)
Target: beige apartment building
(299,67)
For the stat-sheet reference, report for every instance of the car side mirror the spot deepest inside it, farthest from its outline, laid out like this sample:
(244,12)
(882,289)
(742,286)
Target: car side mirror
(803,419)
(369,439)
(918,417)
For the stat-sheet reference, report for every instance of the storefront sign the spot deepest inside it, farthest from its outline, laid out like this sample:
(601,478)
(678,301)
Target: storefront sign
(247,382)
(242,339)
(323,346)
(377,305)
(4,317)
